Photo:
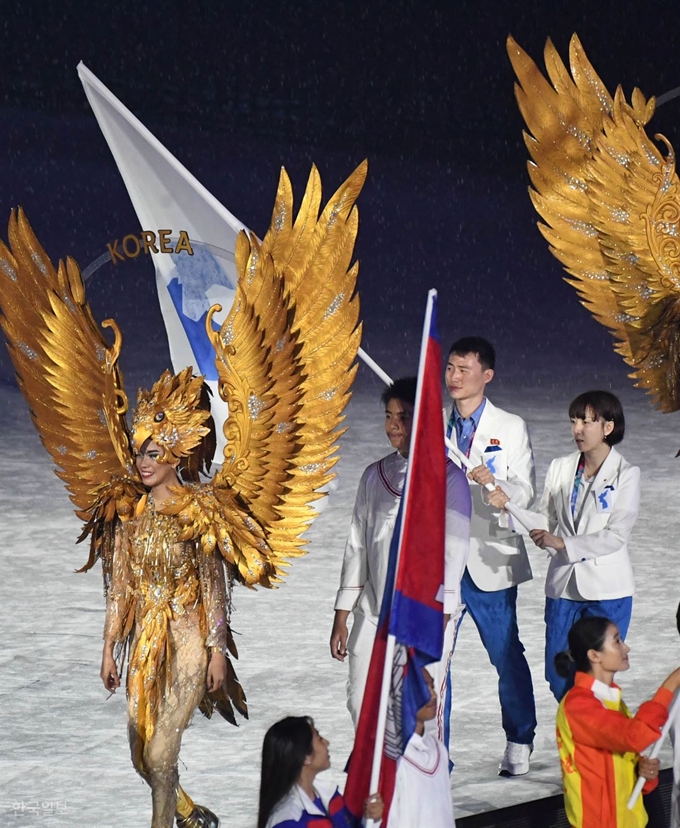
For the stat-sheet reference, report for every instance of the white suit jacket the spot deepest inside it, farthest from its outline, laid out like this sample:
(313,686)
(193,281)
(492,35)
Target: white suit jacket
(498,558)
(597,550)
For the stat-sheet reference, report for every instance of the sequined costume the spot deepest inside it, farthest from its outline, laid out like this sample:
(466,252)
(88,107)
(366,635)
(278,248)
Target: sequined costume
(169,603)
(285,360)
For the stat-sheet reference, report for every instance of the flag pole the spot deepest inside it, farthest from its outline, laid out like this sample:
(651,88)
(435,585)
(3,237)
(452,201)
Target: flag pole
(656,749)
(452,447)
(382,720)
(373,365)
(390,644)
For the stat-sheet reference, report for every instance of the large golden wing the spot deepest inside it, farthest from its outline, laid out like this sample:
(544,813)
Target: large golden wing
(285,356)
(68,374)
(610,206)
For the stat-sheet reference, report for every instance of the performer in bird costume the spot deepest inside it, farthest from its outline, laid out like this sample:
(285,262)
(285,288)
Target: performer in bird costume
(171,551)
(610,203)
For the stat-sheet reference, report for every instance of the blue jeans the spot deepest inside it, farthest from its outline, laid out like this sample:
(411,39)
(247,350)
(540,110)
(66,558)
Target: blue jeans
(495,615)
(560,616)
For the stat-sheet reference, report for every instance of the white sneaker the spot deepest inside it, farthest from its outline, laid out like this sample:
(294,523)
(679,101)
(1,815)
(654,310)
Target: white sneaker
(515,760)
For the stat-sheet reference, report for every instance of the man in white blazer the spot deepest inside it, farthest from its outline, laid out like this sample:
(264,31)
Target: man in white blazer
(498,444)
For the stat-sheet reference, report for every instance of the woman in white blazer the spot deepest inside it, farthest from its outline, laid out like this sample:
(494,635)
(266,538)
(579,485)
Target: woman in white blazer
(589,507)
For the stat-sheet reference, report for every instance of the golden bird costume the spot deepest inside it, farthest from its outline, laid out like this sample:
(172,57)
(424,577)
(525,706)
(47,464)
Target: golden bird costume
(285,359)
(610,204)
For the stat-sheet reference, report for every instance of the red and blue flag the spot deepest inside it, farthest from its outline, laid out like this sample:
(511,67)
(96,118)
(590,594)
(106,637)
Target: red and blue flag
(410,627)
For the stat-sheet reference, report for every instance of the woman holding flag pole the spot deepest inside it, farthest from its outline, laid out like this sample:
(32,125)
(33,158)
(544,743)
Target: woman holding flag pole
(599,741)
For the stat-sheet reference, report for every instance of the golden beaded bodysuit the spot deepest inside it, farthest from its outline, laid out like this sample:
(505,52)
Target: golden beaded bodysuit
(176,599)
(285,360)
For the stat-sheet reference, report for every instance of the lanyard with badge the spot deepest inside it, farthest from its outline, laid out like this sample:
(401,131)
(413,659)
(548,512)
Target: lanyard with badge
(578,477)
(449,432)
(578,480)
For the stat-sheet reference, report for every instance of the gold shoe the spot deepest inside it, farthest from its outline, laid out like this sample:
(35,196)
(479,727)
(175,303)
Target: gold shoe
(200,817)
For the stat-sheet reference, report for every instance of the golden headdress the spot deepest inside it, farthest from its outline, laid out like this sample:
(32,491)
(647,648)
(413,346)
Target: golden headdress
(170,415)
(611,206)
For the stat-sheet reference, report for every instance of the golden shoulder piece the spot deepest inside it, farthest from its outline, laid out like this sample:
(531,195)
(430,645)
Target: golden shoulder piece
(610,205)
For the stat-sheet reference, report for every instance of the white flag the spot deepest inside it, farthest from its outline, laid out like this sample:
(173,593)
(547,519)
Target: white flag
(166,195)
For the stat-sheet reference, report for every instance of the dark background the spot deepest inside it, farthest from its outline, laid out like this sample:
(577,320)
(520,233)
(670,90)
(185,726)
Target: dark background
(424,90)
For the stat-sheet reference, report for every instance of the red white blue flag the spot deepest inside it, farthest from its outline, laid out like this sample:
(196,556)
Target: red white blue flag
(411,626)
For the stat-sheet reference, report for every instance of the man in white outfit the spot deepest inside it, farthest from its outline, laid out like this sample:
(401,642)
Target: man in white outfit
(498,444)
(364,567)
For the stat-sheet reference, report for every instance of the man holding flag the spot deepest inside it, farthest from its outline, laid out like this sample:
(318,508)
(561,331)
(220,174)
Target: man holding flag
(410,627)
(365,563)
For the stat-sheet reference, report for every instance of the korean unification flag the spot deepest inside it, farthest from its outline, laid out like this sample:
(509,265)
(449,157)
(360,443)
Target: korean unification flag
(166,196)
(410,611)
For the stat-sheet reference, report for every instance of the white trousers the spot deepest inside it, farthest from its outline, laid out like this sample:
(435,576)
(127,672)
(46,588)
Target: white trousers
(360,648)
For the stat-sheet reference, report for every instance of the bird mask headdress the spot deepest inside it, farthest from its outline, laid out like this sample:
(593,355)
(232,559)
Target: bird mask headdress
(171,415)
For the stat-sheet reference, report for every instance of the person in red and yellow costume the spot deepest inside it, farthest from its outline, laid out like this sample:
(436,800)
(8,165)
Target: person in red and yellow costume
(598,739)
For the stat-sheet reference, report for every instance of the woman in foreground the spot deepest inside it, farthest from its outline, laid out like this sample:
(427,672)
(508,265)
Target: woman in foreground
(293,753)
(598,740)
(170,552)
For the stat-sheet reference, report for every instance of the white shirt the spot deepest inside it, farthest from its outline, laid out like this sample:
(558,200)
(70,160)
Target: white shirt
(422,793)
(364,566)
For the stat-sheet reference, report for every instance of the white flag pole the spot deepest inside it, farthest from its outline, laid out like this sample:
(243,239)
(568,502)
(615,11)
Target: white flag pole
(382,720)
(373,365)
(389,649)
(520,515)
(656,749)
(452,447)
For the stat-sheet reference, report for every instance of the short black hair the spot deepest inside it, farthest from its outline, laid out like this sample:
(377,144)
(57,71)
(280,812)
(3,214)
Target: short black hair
(603,404)
(403,389)
(482,348)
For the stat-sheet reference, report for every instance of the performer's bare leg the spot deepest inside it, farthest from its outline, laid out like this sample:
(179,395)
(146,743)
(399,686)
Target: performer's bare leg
(156,761)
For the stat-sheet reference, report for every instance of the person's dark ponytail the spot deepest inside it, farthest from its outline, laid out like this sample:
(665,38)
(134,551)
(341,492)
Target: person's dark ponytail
(564,664)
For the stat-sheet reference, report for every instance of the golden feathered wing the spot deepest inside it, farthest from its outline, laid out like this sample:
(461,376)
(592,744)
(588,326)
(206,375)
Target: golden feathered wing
(610,203)
(70,378)
(285,358)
